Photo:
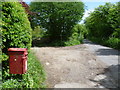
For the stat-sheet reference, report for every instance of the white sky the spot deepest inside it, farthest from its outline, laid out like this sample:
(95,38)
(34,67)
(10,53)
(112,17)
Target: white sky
(86,14)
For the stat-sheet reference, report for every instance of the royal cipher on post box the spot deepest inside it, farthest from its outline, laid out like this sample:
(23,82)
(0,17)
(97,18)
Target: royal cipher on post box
(17,60)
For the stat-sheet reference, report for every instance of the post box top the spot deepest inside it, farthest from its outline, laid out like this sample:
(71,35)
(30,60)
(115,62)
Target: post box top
(17,49)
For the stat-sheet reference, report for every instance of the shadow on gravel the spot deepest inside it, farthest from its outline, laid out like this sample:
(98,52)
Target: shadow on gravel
(109,78)
(107,52)
(46,42)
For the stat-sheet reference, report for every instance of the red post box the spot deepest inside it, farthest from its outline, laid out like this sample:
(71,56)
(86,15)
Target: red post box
(17,60)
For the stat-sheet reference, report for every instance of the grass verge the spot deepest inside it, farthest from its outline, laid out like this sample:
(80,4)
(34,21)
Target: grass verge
(34,78)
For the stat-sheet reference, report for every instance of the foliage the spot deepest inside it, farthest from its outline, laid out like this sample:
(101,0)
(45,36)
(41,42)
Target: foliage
(25,6)
(0,34)
(34,78)
(16,31)
(58,18)
(78,33)
(103,25)
(113,42)
(98,21)
(37,33)
(114,20)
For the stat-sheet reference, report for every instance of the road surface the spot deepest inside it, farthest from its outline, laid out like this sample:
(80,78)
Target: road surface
(81,66)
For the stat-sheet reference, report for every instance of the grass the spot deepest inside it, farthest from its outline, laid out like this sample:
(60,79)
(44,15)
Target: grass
(36,71)
(34,78)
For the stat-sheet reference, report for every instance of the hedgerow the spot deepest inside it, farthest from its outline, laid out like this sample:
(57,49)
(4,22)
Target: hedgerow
(16,30)
(16,33)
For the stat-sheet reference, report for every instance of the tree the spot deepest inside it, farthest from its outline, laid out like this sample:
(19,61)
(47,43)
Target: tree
(103,24)
(98,21)
(26,7)
(114,19)
(58,18)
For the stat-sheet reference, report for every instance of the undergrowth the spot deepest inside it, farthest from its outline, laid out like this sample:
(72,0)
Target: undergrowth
(110,42)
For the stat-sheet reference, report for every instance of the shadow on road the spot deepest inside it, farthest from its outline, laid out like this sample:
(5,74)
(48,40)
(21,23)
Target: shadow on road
(111,77)
(102,50)
(38,43)
(89,42)
(107,52)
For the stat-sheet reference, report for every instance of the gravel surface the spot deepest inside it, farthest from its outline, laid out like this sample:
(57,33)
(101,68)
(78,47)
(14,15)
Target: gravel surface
(71,67)
(81,66)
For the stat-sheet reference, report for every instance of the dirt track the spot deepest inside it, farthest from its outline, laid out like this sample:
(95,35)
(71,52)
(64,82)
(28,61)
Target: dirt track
(71,67)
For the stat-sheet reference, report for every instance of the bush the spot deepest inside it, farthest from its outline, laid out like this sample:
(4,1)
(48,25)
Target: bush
(16,33)
(72,42)
(114,42)
(78,34)
(16,30)
(37,33)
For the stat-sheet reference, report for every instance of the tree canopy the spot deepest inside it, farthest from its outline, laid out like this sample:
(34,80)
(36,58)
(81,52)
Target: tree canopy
(104,24)
(58,18)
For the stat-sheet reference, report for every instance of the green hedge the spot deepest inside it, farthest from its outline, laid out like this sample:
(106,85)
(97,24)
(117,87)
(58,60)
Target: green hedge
(16,33)
(16,30)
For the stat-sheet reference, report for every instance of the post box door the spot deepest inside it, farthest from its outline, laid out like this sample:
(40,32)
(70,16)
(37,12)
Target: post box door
(16,64)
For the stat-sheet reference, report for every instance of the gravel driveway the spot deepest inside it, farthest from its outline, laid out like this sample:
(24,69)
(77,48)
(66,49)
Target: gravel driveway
(73,67)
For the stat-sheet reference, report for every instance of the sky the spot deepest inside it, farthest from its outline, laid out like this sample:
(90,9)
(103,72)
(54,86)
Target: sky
(90,5)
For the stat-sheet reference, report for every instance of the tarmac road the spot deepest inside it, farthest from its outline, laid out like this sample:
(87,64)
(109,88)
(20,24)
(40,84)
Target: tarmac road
(109,56)
(105,54)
